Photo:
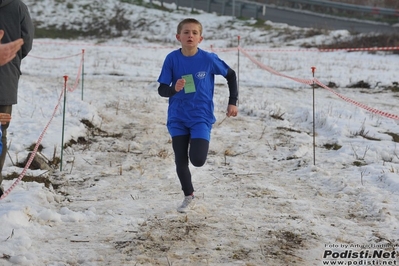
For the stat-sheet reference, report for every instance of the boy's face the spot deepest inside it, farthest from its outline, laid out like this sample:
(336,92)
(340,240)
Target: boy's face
(190,35)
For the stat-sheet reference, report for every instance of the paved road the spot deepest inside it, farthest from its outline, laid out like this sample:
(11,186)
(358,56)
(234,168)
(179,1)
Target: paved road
(297,18)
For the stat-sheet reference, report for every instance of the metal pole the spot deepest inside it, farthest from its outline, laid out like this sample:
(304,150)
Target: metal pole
(234,9)
(238,68)
(63,121)
(314,121)
(83,69)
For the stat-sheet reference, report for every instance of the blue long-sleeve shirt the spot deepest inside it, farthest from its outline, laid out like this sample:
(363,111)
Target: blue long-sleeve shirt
(186,106)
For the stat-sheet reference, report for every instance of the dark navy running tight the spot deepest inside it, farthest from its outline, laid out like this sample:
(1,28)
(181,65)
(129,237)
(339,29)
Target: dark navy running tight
(186,148)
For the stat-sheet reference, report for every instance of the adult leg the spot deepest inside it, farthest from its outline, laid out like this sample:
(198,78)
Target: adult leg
(180,147)
(198,151)
(4,109)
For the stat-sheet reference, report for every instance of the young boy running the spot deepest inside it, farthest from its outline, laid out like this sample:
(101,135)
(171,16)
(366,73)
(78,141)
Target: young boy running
(187,78)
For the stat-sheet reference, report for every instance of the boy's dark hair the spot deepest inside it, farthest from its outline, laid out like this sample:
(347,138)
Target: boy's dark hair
(186,21)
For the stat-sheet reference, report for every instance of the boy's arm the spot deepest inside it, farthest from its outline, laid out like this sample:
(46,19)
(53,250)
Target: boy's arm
(165,90)
(233,87)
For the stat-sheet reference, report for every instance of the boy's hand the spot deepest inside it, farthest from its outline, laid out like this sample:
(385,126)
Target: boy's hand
(232,110)
(180,84)
(5,118)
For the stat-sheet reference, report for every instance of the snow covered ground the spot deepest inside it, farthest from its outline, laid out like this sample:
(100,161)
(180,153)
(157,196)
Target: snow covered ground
(260,198)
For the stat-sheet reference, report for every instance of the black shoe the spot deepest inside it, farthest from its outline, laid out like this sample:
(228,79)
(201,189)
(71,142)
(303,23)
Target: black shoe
(1,191)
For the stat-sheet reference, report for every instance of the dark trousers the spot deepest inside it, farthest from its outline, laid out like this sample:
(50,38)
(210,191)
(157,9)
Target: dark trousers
(185,149)
(4,109)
